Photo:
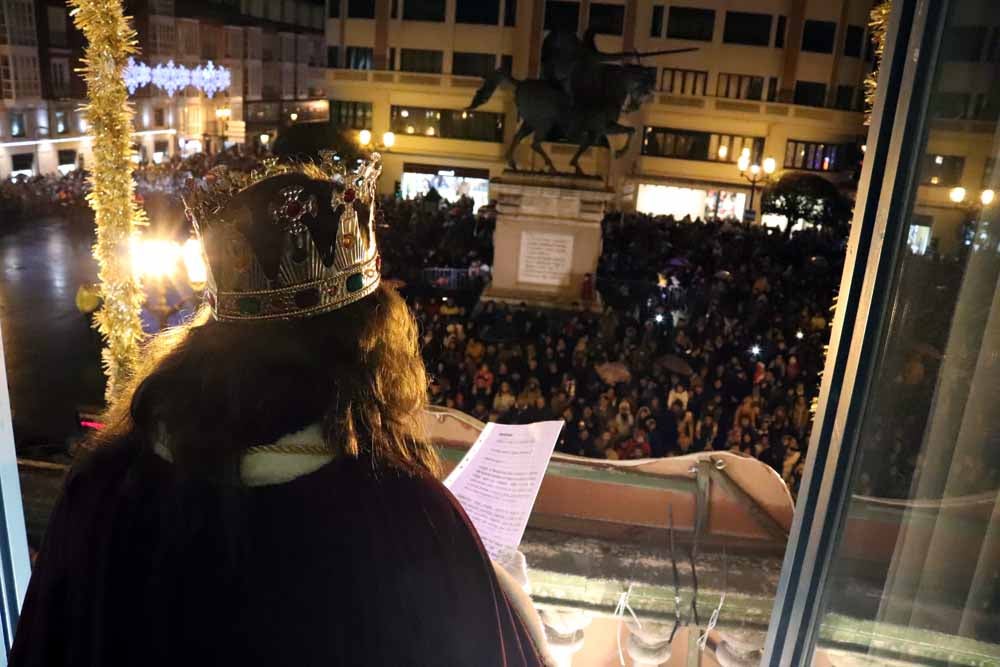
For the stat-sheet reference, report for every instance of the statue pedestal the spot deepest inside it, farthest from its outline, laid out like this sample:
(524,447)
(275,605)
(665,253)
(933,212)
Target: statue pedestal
(547,239)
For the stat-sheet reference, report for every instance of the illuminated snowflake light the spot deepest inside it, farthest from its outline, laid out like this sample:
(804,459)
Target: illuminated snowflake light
(209,78)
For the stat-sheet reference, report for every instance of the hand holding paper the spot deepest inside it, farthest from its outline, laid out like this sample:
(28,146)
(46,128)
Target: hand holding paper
(498,480)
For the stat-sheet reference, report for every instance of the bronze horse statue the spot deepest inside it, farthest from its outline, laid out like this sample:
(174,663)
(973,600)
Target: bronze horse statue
(580,98)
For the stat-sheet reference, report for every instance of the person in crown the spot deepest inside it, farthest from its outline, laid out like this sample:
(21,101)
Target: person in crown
(263,494)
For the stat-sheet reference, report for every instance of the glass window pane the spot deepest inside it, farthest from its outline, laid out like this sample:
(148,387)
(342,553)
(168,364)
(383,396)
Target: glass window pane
(915,576)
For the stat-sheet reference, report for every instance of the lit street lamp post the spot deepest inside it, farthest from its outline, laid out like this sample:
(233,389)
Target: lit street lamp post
(365,141)
(973,210)
(157,261)
(754,174)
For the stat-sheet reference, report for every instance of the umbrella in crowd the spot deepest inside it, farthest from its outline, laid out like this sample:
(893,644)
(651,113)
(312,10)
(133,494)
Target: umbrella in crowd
(613,372)
(675,364)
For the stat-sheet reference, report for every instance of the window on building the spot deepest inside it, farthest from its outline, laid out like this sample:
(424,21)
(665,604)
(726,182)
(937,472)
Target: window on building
(991,165)
(421,60)
(447,123)
(507,63)
(734,145)
(739,86)
(23,163)
(6,78)
(562,14)
(747,28)
(391,62)
(59,77)
(691,23)
(334,9)
(164,38)
(779,32)
(852,42)
(936,169)
(27,82)
(67,157)
(360,9)
(952,105)
(692,145)
(656,25)
(333,56)
(993,46)
(60,122)
(772,89)
(57,26)
(818,36)
(423,10)
(963,43)
(814,156)
(510,13)
(607,19)
(159,117)
(359,57)
(234,43)
(17,125)
(472,64)
(689,82)
(845,97)
(479,12)
(351,115)
(17,23)
(810,93)
(986,106)
(187,36)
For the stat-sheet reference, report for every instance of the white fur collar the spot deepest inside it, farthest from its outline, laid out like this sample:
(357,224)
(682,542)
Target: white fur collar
(268,468)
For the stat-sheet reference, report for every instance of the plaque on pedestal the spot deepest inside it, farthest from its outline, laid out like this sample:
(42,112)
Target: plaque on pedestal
(547,239)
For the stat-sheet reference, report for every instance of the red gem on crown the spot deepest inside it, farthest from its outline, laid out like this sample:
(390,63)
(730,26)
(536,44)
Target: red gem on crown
(349,195)
(293,209)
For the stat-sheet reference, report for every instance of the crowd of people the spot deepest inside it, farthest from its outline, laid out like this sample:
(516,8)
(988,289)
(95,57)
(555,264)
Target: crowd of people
(711,335)
(734,366)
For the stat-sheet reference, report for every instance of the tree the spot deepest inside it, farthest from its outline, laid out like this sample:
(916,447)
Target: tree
(802,196)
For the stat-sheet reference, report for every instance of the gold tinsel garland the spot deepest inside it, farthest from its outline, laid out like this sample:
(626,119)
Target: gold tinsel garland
(878,24)
(110,41)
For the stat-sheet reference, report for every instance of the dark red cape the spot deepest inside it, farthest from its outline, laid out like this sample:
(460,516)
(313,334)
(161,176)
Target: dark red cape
(343,566)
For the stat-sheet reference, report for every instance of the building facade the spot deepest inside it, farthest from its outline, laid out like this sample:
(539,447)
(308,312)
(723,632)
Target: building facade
(275,52)
(781,79)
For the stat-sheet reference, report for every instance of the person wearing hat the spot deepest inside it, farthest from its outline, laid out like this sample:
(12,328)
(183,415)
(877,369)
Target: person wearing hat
(263,493)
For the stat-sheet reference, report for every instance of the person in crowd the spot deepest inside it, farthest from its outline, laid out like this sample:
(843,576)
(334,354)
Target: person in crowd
(636,446)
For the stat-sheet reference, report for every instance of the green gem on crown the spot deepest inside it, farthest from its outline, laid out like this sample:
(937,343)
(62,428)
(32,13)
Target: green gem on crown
(355,282)
(249,305)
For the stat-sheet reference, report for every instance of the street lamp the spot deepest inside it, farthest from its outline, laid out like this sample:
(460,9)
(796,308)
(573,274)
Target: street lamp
(158,261)
(754,173)
(957,194)
(222,115)
(987,197)
(365,140)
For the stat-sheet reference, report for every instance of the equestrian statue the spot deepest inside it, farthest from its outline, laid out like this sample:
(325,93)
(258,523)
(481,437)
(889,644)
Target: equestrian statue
(579,98)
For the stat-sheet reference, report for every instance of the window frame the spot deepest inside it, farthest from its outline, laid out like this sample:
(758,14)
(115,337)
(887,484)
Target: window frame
(693,12)
(878,236)
(728,38)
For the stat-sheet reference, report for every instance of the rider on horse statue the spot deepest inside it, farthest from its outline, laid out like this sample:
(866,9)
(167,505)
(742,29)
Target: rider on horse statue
(580,97)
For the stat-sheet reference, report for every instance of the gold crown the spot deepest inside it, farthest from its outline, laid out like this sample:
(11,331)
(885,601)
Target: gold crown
(287,240)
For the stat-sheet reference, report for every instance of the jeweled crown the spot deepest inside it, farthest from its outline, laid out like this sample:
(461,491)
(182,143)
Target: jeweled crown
(287,240)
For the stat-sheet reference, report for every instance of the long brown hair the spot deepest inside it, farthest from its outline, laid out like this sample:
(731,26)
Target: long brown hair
(209,389)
